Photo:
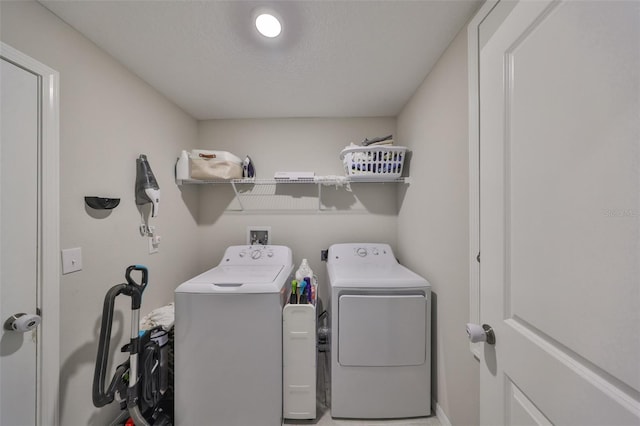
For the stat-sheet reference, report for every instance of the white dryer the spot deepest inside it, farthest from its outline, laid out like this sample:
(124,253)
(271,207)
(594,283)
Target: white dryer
(228,340)
(380,335)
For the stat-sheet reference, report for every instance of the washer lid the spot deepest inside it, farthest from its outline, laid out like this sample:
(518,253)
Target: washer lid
(373,275)
(238,279)
(235,274)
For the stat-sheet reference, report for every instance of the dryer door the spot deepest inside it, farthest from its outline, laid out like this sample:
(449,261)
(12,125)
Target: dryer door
(382,330)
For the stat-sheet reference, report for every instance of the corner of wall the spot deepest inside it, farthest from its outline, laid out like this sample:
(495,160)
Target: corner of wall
(433,224)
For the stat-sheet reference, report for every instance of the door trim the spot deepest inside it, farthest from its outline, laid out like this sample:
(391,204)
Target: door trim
(47,380)
(473,43)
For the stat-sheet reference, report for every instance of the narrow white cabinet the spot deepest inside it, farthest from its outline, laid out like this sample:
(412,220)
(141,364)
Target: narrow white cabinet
(299,361)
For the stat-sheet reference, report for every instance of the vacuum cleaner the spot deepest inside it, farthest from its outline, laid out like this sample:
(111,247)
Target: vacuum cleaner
(147,189)
(141,380)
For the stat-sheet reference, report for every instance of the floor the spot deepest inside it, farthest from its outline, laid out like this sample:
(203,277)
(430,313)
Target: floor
(324,419)
(323,393)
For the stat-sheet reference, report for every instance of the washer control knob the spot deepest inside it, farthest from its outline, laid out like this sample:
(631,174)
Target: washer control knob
(242,253)
(269,254)
(362,252)
(374,251)
(256,254)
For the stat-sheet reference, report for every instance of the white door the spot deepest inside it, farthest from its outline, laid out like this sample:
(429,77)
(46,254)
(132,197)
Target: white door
(28,239)
(560,213)
(19,236)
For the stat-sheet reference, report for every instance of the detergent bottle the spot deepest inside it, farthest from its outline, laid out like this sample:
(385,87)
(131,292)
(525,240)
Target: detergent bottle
(304,271)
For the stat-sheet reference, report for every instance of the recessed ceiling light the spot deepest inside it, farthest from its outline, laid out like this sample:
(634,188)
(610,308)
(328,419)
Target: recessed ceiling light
(268,25)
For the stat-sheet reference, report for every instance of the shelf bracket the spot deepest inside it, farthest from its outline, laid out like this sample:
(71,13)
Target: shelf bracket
(235,189)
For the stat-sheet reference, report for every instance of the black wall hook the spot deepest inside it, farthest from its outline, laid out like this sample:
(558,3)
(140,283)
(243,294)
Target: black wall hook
(101,203)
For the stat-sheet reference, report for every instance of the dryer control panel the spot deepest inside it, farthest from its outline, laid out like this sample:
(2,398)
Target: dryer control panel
(257,255)
(365,253)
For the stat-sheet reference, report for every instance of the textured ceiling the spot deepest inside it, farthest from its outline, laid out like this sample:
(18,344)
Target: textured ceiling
(333,58)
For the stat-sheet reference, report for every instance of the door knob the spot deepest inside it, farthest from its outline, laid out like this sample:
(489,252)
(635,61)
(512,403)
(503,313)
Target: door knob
(22,322)
(481,333)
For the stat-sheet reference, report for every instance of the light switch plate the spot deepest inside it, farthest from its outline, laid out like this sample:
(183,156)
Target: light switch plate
(71,260)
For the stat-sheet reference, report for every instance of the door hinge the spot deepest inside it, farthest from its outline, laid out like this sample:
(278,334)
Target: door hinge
(478,257)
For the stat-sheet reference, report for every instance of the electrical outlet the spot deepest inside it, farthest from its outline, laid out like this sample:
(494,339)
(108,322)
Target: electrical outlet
(258,235)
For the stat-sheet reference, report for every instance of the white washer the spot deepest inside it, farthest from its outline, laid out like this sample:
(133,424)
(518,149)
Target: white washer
(228,340)
(380,335)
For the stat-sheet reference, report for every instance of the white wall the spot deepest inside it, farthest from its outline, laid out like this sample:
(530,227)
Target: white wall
(433,223)
(108,117)
(368,214)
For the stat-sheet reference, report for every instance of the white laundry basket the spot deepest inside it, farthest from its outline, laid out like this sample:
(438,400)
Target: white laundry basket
(373,163)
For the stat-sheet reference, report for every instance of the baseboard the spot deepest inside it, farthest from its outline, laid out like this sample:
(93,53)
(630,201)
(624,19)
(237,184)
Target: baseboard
(442,417)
